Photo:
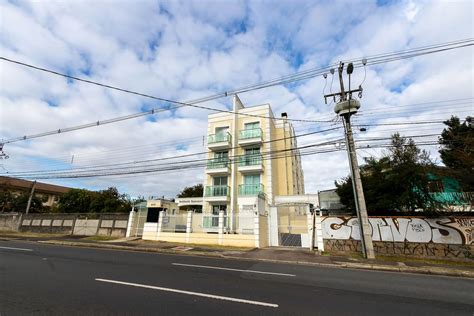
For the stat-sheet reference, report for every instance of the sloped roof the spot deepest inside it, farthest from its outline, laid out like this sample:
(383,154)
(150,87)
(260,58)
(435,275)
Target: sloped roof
(20,184)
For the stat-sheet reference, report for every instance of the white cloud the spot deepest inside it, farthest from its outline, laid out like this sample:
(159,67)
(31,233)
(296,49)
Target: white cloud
(184,50)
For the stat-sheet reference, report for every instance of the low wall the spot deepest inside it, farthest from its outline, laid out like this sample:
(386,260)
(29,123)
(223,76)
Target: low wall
(10,221)
(446,237)
(113,225)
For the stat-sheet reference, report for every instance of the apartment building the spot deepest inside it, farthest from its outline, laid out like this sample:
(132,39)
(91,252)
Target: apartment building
(252,157)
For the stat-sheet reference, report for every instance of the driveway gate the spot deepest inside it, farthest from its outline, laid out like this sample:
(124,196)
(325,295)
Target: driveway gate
(293,226)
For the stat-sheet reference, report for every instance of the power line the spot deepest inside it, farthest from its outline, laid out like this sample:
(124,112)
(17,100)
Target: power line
(283,80)
(113,168)
(182,156)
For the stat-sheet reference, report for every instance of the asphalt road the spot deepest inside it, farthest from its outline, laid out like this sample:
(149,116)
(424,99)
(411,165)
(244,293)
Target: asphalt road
(54,280)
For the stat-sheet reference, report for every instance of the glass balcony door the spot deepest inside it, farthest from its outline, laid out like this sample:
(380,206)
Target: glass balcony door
(221,133)
(251,157)
(251,184)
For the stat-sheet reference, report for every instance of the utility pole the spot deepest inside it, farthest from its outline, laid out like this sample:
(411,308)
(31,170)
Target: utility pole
(346,107)
(32,192)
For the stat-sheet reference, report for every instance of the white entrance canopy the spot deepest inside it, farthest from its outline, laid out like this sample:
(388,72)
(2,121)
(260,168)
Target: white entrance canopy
(296,200)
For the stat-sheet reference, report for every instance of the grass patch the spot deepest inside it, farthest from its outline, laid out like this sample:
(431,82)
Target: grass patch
(29,234)
(426,260)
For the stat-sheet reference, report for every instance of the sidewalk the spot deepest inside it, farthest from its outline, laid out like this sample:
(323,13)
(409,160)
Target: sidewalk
(275,255)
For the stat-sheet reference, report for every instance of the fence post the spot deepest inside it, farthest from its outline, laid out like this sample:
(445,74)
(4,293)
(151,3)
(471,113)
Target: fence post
(221,227)
(319,231)
(160,221)
(131,220)
(256,230)
(189,223)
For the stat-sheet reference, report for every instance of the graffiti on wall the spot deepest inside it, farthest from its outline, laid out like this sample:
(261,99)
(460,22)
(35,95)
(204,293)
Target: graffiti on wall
(444,230)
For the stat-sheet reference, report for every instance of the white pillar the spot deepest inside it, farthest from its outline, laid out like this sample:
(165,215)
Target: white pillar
(256,230)
(221,227)
(131,220)
(309,217)
(273,226)
(189,223)
(160,221)
(319,231)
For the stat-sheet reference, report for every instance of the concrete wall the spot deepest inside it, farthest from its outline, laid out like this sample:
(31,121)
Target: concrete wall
(450,237)
(114,225)
(10,221)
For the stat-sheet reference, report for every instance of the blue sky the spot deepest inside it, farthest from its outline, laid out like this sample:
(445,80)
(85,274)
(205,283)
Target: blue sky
(188,49)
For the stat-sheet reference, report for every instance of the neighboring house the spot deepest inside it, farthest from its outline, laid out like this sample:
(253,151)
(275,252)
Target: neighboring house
(447,190)
(48,193)
(330,202)
(250,158)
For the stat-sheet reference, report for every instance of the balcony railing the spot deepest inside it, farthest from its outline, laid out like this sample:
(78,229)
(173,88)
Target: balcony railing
(250,189)
(217,163)
(250,160)
(250,133)
(454,198)
(217,190)
(219,138)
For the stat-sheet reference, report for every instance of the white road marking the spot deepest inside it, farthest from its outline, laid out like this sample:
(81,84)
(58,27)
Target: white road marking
(230,269)
(217,297)
(12,248)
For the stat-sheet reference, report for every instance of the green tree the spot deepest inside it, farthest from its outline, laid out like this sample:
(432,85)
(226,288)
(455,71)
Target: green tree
(194,191)
(396,182)
(457,148)
(10,202)
(85,201)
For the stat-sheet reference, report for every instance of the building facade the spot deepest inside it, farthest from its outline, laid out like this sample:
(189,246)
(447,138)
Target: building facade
(252,157)
(48,193)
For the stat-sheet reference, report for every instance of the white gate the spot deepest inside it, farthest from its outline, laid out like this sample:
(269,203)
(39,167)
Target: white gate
(86,227)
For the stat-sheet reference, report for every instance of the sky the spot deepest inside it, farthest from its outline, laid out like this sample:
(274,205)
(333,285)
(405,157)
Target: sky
(182,50)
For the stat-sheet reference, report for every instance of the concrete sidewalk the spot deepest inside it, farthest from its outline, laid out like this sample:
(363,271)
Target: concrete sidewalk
(276,255)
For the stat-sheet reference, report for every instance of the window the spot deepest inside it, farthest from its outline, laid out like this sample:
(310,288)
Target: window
(222,130)
(220,180)
(221,155)
(252,179)
(253,125)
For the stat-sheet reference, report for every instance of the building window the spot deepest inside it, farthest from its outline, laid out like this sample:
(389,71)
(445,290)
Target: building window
(252,125)
(220,180)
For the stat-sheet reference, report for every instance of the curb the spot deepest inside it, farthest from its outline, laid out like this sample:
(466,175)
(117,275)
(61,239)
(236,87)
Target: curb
(336,264)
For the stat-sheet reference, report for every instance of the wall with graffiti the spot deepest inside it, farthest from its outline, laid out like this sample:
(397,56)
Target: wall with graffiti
(433,237)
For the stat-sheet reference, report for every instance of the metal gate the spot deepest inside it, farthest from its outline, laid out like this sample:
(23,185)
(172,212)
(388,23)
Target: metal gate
(140,219)
(293,226)
(86,227)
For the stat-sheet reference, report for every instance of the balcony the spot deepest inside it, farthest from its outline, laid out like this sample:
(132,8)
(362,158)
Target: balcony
(218,166)
(250,136)
(250,163)
(217,193)
(251,189)
(219,141)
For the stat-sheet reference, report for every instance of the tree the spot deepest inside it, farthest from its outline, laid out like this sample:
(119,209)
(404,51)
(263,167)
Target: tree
(194,191)
(457,148)
(84,201)
(396,182)
(10,202)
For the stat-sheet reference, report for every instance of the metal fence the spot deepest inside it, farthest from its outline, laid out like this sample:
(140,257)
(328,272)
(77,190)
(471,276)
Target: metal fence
(174,223)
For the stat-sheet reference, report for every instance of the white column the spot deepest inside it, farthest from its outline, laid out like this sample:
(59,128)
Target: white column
(273,226)
(189,223)
(256,230)
(131,220)
(309,217)
(160,221)
(319,231)
(221,227)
